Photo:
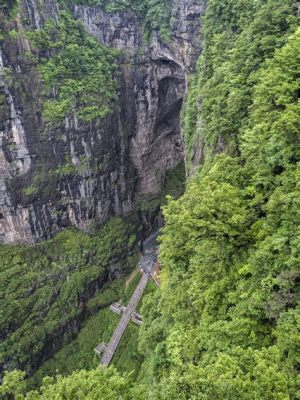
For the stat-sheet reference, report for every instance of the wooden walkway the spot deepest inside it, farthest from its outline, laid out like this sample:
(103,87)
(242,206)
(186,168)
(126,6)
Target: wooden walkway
(125,318)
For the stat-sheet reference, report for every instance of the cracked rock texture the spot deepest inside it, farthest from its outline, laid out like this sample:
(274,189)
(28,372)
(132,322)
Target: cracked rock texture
(119,160)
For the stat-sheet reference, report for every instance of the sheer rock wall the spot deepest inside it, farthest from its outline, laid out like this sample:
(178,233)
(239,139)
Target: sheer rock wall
(128,152)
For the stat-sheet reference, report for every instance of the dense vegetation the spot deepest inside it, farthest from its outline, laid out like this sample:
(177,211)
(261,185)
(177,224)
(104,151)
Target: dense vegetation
(225,323)
(79,354)
(240,36)
(49,289)
(88,385)
(78,73)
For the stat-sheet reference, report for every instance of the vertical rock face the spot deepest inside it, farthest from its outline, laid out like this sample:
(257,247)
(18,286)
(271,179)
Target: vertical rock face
(112,162)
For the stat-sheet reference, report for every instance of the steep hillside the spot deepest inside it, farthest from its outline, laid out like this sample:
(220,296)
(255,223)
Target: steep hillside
(224,324)
(50,289)
(227,320)
(90,96)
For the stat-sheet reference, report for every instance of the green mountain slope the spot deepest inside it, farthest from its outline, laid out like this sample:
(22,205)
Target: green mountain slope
(225,323)
(49,289)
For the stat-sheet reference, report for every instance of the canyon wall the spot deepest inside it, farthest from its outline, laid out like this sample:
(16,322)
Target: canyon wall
(112,163)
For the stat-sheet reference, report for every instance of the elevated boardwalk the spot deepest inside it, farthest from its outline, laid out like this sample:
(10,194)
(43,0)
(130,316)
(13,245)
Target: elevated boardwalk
(127,315)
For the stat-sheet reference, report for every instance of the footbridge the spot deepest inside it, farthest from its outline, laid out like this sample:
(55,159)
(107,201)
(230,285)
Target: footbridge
(106,351)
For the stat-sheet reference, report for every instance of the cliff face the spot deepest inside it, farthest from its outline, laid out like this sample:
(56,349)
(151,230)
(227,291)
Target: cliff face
(112,163)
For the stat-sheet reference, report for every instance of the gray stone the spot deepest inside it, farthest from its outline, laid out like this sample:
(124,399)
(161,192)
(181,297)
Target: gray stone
(131,149)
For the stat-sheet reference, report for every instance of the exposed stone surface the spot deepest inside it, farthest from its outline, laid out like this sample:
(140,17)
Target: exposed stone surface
(118,160)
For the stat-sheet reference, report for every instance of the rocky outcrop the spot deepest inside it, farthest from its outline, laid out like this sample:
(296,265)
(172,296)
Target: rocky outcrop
(112,163)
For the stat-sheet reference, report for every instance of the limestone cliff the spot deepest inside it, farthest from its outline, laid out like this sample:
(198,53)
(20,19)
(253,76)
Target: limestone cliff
(118,160)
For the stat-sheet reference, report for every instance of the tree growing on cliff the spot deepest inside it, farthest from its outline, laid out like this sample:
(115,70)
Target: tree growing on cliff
(97,384)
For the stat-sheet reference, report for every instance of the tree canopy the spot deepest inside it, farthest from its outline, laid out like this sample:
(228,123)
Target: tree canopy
(224,324)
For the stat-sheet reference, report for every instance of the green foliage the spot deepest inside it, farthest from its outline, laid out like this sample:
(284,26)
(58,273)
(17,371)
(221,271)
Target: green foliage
(275,118)
(78,74)
(100,383)
(9,7)
(65,169)
(174,183)
(242,375)
(46,288)
(13,34)
(13,385)
(225,324)
(30,190)
(239,37)
(79,354)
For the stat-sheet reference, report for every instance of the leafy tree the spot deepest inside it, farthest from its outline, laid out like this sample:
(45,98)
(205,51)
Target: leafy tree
(225,322)
(100,383)
(13,385)
(225,325)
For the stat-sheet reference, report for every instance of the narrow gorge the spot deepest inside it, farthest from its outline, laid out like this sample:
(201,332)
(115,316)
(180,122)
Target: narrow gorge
(149,199)
(76,172)
(114,153)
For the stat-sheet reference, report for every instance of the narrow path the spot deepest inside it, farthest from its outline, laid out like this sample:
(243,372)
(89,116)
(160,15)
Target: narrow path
(125,318)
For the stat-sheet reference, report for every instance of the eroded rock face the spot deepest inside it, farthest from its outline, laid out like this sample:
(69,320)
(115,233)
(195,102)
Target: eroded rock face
(118,160)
